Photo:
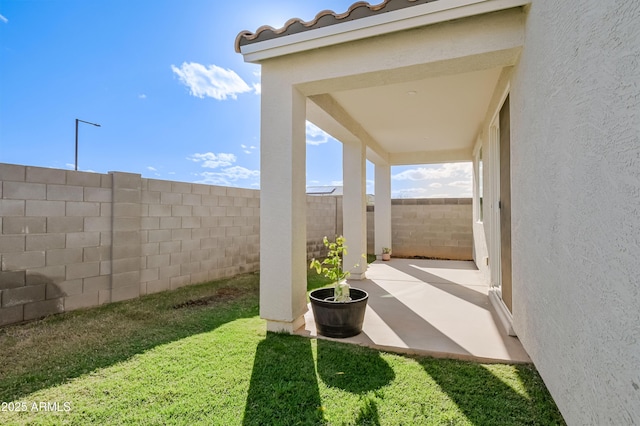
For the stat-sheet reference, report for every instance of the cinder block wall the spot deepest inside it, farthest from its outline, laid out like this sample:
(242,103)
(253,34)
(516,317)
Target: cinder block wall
(72,239)
(432,227)
(192,233)
(55,243)
(324,218)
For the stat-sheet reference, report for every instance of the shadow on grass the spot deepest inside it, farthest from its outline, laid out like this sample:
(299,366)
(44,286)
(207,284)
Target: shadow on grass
(356,370)
(368,414)
(52,351)
(485,399)
(284,388)
(352,368)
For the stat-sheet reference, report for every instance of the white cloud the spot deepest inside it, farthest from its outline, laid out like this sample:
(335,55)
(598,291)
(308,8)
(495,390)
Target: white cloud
(442,171)
(423,193)
(257,87)
(415,174)
(247,149)
(3,19)
(315,135)
(212,81)
(213,161)
(73,167)
(142,96)
(153,169)
(371,186)
(238,172)
(227,177)
(434,181)
(227,173)
(410,193)
(461,184)
(211,178)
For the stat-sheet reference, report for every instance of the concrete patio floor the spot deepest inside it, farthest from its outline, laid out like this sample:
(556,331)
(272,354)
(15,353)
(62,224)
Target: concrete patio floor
(430,307)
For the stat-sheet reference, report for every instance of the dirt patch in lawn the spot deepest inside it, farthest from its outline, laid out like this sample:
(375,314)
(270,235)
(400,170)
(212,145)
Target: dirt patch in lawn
(223,294)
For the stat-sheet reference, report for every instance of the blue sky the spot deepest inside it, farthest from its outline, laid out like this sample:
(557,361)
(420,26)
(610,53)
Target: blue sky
(161,77)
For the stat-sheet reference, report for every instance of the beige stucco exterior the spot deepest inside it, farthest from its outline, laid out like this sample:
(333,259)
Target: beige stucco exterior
(576,204)
(571,72)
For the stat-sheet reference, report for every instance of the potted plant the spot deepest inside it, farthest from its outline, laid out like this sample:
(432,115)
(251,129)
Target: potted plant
(338,311)
(386,253)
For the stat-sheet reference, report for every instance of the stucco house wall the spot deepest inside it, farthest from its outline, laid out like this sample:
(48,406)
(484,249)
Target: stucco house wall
(576,205)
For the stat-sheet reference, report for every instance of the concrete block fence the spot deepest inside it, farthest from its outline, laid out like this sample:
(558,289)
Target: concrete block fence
(73,240)
(432,227)
(438,228)
(324,218)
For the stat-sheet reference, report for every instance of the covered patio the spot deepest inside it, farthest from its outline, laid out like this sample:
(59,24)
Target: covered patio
(430,307)
(400,83)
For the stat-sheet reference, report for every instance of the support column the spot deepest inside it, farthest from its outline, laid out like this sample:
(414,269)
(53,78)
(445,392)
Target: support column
(354,207)
(382,209)
(283,279)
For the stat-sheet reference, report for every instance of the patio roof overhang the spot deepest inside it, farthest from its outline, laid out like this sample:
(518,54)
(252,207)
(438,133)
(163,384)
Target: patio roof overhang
(268,43)
(427,110)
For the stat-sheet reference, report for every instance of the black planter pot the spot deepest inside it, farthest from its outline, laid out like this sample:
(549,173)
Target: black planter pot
(338,319)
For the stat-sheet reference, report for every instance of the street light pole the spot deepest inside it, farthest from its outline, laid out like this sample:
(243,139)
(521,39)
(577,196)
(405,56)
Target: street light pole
(82,121)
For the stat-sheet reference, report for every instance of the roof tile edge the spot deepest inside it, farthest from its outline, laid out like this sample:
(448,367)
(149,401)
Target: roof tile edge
(267,32)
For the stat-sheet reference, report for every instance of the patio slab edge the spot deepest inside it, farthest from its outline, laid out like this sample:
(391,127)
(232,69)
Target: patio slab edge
(418,352)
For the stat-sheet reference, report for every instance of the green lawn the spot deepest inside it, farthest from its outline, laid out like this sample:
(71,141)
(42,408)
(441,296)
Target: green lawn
(200,355)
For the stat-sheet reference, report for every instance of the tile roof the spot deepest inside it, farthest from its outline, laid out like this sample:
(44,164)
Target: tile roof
(358,10)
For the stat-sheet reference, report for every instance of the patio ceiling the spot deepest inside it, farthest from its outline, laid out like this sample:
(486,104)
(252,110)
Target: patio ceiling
(416,96)
(414,122)
(412,80)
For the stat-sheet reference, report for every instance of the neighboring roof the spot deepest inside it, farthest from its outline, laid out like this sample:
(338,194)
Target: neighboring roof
(325,18)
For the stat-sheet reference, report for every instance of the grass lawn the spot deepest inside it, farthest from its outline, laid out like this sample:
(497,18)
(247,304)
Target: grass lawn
(200,355)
